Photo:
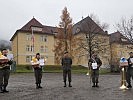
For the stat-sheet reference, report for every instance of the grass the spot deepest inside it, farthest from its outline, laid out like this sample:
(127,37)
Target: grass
(57,69)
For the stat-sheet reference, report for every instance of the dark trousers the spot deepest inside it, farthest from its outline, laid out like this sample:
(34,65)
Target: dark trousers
(65,74)
(38,75)
(4,77)
(95,76)
(129,74)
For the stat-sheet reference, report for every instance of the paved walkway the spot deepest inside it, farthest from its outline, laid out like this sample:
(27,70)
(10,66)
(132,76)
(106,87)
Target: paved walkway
(22,87)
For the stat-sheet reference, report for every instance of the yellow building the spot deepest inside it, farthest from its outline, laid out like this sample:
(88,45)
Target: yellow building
(99,38)
(35,37)
(120,47)
(32,38)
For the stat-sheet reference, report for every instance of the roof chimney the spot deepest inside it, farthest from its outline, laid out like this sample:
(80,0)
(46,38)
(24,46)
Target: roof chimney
(106,32)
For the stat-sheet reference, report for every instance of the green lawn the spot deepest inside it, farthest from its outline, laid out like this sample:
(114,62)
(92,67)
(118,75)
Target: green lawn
(56,69)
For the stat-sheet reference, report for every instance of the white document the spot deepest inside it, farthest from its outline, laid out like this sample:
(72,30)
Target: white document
(131,60)
(94,65)
(10,56)
(41,61)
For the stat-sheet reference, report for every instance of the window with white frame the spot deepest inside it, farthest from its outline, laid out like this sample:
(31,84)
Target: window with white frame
(43,38)
(28,37)
(42,49)
(28,59)
(46,49)
(32,48)
(27,47)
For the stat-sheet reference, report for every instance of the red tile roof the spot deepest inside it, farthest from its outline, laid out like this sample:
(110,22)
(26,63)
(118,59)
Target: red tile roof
(34,23)
(87,24)
(117,37)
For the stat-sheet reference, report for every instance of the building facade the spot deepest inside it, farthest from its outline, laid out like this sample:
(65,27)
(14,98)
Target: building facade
(32,38)
(35,37)
(120,47)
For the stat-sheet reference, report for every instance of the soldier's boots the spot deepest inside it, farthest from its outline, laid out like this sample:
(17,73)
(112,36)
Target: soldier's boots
(97,85)
(1,90)
(70,84)
(93,85)
(38,86)
(129,86)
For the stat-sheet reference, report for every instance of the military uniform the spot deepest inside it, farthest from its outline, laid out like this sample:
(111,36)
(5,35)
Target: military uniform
(4,75)
(129,71)
(38,75)
(66,64)
(95,72)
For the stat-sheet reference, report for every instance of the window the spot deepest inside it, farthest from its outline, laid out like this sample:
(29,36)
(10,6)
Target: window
(43,38)
(36,29)
(42,49)
(27,48)
(28,59)
(32,48)
(42,56)
(46,49)
(28,37)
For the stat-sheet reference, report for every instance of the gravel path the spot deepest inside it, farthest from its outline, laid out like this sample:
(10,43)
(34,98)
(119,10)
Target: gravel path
(22,87)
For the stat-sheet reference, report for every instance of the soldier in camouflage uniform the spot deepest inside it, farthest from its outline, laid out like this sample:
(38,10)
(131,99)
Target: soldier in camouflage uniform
(4,72)
(66,64)
(130,70)
(95,69)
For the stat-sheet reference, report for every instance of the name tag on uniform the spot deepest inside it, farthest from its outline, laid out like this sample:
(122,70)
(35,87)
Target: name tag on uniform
(94,65)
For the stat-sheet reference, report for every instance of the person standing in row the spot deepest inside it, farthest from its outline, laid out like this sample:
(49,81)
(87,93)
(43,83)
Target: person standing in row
(4,72)
(94,65)
(66,64)
(38,71)
(130,70)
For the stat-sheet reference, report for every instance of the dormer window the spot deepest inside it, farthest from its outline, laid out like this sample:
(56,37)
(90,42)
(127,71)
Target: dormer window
(77,30)
(36,29)
(124,40)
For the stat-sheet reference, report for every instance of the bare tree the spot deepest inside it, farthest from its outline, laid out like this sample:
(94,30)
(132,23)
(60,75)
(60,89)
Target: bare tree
(126,28)
(90,40)
(102,25)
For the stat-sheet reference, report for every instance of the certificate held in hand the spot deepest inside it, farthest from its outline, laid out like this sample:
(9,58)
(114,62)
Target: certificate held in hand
(94,65)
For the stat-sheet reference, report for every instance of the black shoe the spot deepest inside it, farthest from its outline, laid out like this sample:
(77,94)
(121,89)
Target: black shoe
(129,86)
(39,87)
(5,91)
(97,85)
(93,85)
(1,91)
(64,84)
(70,84)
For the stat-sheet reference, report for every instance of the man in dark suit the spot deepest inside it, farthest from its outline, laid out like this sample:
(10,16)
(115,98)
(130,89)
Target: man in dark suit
(66,64)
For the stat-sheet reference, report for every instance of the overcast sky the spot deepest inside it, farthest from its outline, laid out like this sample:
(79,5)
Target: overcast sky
(16,13)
